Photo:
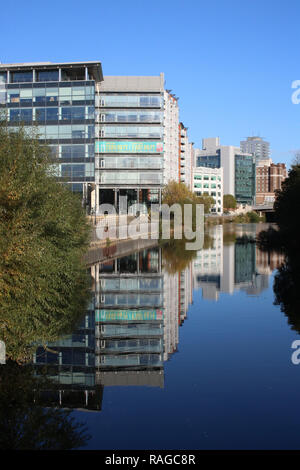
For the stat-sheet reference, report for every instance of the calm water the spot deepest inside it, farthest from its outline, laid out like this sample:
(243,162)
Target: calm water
(188,351)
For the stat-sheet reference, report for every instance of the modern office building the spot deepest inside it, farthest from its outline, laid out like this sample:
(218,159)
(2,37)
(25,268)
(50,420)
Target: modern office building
(257,147)
(111,137)
(269,178)
(238,168)
(59,99)
(209,181)
(137,139)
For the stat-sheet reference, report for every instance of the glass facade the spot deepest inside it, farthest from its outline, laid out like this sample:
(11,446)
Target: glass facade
(244,179)
(63,113)
(209,161)
(129,152)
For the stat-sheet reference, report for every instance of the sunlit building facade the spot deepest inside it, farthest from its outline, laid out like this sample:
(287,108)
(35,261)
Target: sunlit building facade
(238,168)
(58,99)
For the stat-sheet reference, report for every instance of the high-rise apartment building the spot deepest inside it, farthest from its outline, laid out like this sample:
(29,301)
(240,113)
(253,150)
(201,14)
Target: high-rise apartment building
(238,168)
(257,147)
(59,99)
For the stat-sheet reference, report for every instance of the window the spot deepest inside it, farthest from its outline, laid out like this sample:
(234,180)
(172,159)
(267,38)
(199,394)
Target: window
(51,114)
(66,114)
(2,77)
(47,76)
(18,77)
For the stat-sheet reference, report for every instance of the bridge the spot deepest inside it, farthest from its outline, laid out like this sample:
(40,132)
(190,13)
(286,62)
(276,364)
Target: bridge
(267,209)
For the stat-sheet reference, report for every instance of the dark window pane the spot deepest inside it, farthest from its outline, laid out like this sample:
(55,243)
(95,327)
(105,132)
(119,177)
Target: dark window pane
(14,114)
(51,114)
(40,114)
(26,115)
(21,77)
(66,114)
(48,76)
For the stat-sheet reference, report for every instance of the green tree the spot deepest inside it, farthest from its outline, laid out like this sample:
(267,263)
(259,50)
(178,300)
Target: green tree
(43,236)
(229,201)
(179,193)
(287,204)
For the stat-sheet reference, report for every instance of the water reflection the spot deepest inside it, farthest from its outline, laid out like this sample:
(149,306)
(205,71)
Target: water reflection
(234,262)
(139,303)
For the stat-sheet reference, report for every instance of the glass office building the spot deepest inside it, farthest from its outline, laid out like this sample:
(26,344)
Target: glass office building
(59,101)
(245,178)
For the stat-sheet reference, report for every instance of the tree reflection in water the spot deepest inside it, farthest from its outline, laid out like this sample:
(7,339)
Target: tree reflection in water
(25,423)
(287,288)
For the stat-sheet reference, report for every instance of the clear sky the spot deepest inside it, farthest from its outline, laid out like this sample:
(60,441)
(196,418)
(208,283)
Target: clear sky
(230,62)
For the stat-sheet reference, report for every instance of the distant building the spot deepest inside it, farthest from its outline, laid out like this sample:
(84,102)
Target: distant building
(238,168)
(269,178)
(209,181)
(257,147)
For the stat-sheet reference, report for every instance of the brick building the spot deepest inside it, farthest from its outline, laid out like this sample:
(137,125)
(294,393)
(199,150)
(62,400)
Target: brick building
(269,178)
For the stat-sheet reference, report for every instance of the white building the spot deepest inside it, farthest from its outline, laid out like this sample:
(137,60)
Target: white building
(186,162)
(170,138)
(209,181)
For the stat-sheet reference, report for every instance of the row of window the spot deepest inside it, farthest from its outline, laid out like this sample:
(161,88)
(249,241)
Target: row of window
(71,113)
(78,131)
(75,151)
(73,171)
(206,185)
(129,360)
(133,329)
(125,116)
(206,178)
(64,95)
(131,284)
(130,131)
(131,343)
(41,76)
(136,300)
(131,177)
(127,161)
(133,101)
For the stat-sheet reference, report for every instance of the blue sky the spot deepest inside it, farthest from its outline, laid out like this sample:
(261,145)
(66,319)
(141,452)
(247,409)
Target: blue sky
(231,63)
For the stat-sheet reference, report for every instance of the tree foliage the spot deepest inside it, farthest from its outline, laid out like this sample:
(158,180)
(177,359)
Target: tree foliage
(43,236)
(179,193)
(287,203)
(229,201)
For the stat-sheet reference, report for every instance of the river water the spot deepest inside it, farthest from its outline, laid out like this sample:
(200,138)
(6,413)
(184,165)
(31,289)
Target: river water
(182,350)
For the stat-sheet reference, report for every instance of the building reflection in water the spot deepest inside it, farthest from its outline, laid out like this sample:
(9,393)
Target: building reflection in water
(130,330)
(230,265)
(132,325)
